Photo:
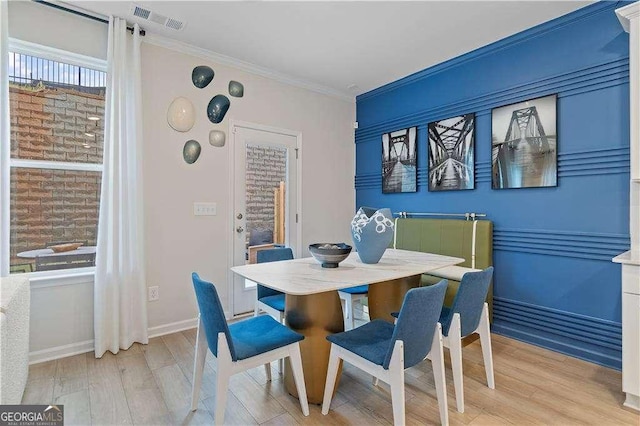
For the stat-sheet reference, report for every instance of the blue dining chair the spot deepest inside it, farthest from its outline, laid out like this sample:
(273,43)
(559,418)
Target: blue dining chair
(348,296)
(385,350)
(468,314)
(269,300)
(239,347)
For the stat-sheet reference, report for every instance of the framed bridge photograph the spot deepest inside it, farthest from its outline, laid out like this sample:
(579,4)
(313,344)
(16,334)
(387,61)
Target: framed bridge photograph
(399,172)
(524,152)
(452,153)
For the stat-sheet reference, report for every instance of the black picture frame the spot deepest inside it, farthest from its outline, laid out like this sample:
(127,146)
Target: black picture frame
(524,144)
(399,161)
(451,153)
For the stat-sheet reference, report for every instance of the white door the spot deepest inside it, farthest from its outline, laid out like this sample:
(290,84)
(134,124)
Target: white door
(265,164)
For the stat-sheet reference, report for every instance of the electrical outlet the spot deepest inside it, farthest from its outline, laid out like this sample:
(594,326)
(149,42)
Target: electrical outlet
(153,293)
(204,209)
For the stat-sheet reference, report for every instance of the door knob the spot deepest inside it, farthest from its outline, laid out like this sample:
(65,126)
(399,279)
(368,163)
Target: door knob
(239,229)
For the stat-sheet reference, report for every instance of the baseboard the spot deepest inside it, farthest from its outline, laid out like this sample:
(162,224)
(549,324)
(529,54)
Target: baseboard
(64,351)
(588,338)
(172,327)
(60,352)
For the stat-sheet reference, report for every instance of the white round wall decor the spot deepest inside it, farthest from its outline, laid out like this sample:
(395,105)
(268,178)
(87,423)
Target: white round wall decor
(181,114)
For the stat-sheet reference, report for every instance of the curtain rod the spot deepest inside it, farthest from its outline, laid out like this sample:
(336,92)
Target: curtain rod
(84,15)
(467,216)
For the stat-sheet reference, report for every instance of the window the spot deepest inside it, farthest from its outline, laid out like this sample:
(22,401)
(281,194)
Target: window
(57,122)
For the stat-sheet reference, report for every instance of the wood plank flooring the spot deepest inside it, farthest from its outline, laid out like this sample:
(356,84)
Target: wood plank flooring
(151,385)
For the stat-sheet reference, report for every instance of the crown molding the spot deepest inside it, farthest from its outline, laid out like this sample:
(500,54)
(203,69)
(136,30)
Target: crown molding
(219,58)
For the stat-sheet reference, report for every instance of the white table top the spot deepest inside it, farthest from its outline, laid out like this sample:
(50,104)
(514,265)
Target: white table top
(306,276)
(49,252)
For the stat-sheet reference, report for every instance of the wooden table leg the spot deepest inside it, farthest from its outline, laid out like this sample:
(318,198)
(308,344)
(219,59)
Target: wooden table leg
(387,296)
(315,316)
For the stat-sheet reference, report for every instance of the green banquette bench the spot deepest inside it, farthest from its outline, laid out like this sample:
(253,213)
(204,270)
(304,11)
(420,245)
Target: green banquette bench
(468,239)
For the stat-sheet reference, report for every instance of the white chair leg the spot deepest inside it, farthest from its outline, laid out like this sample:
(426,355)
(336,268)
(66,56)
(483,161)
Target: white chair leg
(256,310)
(352,314)
(455,351)
(330,383)
(298,376)
(198,364)
(485,341)
(222,387)
(396,381)
(267,370)
(223,374)
(437,364)
(349,324)
(281,360)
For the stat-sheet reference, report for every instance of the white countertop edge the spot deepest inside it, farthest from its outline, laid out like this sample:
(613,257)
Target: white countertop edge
(631,257)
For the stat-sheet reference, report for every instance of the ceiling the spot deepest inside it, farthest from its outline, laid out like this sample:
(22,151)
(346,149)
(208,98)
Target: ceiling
(347,47)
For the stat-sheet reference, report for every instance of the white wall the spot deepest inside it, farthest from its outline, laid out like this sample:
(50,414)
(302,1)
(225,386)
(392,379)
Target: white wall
(36,23)
(179,243)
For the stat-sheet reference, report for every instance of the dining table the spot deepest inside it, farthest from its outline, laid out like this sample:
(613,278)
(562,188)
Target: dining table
(49,252)
(313,308)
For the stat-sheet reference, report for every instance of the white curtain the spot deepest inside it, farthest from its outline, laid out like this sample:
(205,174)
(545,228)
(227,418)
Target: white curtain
(4,139)
(120,307)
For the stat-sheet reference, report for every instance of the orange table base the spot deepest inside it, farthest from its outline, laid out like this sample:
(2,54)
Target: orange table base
(387,296)
(315,316)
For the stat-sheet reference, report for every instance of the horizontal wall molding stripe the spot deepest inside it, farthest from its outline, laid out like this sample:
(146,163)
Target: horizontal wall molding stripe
(597,77)
(537,31)
(570,164)
(577,244)
(577,335)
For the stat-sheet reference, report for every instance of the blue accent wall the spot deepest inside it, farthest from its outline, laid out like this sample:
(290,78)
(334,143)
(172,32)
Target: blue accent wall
(555,284)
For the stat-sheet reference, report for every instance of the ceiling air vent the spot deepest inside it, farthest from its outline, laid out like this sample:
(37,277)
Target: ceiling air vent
(140,12)
(156,18)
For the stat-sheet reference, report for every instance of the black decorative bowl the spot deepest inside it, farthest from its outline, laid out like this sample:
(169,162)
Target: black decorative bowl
(330,254)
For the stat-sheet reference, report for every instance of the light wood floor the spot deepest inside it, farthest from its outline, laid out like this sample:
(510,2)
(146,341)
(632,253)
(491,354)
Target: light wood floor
(150,384)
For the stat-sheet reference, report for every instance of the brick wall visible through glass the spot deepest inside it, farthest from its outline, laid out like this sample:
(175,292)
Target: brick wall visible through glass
(50,206)
(54,124)
(266,167)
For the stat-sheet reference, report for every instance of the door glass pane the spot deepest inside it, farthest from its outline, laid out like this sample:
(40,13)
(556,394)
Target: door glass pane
(266,176)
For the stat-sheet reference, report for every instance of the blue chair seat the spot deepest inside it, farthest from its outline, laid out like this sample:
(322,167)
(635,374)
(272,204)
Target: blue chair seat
(259,335)
(361,289)
(370,341)
(276,301)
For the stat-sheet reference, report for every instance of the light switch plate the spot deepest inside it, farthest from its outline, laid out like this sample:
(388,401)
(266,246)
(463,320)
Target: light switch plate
(204,209)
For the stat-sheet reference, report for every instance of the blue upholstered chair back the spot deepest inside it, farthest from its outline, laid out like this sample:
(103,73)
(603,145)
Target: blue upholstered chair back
(417,323)
(469,301)
(272,255)
(212,314)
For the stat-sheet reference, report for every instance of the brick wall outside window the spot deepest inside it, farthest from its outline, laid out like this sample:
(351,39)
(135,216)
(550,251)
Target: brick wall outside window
(49,123)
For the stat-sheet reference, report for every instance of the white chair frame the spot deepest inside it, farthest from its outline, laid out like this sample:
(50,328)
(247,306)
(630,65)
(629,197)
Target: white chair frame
(394,376)
(454,342)
(227,368)
(273,313)
(348,300)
